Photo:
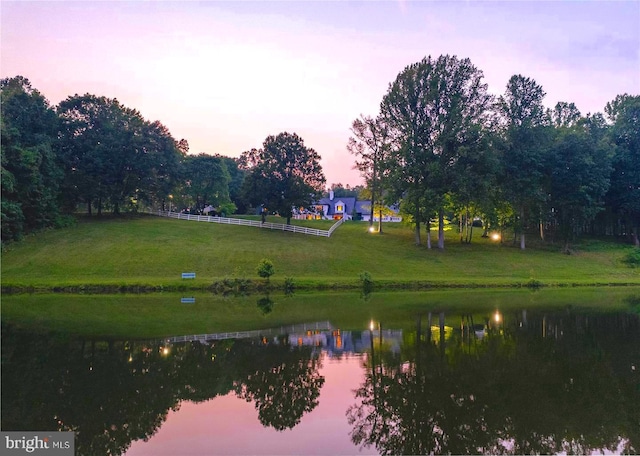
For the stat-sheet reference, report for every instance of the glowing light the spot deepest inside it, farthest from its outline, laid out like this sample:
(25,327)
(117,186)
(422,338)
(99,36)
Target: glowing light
(371,325)
(497,317)
(165,351)
(495,236)
(372,229)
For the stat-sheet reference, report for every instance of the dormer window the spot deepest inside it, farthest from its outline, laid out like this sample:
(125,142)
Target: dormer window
(339,208)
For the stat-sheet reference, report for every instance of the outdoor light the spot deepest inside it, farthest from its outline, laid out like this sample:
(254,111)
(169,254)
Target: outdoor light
(495,236)
(372,229)
(497,317)
(165,351)
(371,326)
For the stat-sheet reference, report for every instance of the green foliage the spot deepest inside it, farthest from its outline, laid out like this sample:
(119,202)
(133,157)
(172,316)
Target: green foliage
(283,174)
(113,156)
(226,209)
(623,197)
(265,304)
(289,286)
(205,180)
(367,282)
(31,174)
(632,259)
(233,286)
(533,283)
(265,268)
(581,167)
(433,110)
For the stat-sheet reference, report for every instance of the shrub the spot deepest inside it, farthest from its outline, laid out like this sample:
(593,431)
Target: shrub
(289,286)
(632,259)
(265,268)
(366,281)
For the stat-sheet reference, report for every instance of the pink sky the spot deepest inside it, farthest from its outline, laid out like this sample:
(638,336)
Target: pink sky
(224,75)
(230,426)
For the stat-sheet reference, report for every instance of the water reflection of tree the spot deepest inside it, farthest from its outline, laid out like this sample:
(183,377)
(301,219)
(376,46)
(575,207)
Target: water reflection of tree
(284,384)
(514,391)
(112,393)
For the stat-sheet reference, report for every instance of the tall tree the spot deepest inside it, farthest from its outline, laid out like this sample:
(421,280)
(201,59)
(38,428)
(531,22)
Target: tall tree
(370,144)
(206,181)
(564,114)
(624,195)
(31,174)
(236,175)
(430,109)
(283,174)
(581,166)
(112,154)
(525,140)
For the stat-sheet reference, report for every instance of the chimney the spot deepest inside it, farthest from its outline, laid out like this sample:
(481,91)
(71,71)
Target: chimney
(331,195)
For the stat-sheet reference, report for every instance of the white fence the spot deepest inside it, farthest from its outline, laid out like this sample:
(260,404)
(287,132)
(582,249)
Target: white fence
(246,222)
(283,330)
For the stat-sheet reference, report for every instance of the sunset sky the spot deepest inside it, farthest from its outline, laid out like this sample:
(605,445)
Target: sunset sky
(224,75)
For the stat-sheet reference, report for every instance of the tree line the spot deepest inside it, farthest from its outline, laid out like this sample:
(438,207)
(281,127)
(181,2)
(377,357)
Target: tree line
(93,153)
(448,150)
(441,146)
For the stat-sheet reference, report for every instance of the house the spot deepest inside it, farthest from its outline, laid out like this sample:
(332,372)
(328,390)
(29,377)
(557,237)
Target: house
(339,208)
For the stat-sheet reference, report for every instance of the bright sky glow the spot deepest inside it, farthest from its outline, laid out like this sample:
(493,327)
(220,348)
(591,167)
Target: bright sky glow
(225,75)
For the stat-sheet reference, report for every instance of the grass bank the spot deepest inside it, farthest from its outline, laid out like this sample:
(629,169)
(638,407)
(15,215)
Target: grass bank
(148,253)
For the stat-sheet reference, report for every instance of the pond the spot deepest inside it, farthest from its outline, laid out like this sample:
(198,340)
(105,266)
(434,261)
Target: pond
(541,379)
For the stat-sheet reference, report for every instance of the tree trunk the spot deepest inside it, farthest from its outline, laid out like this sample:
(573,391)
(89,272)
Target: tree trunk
(371,216)
(522,241)
(380,221)
(89,207)
(417,232)
(428,225)
(441,229)
(289,219)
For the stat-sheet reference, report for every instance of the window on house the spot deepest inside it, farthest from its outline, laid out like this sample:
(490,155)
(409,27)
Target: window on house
(339,208)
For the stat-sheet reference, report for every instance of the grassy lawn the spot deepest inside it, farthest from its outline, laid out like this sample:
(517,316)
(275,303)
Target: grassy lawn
(154,251)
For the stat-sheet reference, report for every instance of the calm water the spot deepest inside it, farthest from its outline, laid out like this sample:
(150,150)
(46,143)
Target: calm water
(530,381)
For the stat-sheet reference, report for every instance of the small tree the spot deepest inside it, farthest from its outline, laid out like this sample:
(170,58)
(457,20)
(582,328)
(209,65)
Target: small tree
(265,269)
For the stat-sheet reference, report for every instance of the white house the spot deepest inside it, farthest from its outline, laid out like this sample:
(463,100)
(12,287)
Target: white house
(343,207)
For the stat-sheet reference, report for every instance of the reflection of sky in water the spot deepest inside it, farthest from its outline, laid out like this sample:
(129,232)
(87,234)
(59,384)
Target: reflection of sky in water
(229,425)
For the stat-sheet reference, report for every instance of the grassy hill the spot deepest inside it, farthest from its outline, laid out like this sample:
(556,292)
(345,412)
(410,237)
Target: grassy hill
(152,252)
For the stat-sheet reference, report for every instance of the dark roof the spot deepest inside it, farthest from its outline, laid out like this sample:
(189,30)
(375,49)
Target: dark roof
(349,203)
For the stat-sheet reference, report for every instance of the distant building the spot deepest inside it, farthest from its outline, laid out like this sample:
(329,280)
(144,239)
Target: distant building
(343,207)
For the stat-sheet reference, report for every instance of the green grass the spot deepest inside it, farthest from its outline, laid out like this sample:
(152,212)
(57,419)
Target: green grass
(149,251)
(160,314)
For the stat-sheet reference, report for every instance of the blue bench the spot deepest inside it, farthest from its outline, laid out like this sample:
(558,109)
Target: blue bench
(188,275)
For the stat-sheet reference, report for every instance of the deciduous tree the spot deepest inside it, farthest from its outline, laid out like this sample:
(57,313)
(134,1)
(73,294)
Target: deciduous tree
(31,174)
(526,141)
(430,109)
(283,174)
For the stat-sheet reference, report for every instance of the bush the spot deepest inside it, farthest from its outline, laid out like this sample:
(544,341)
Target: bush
(366,281)
(266,269)
(289,286)
(632,259)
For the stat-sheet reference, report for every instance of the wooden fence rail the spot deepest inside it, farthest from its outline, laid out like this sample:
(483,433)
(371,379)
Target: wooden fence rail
(245,222)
